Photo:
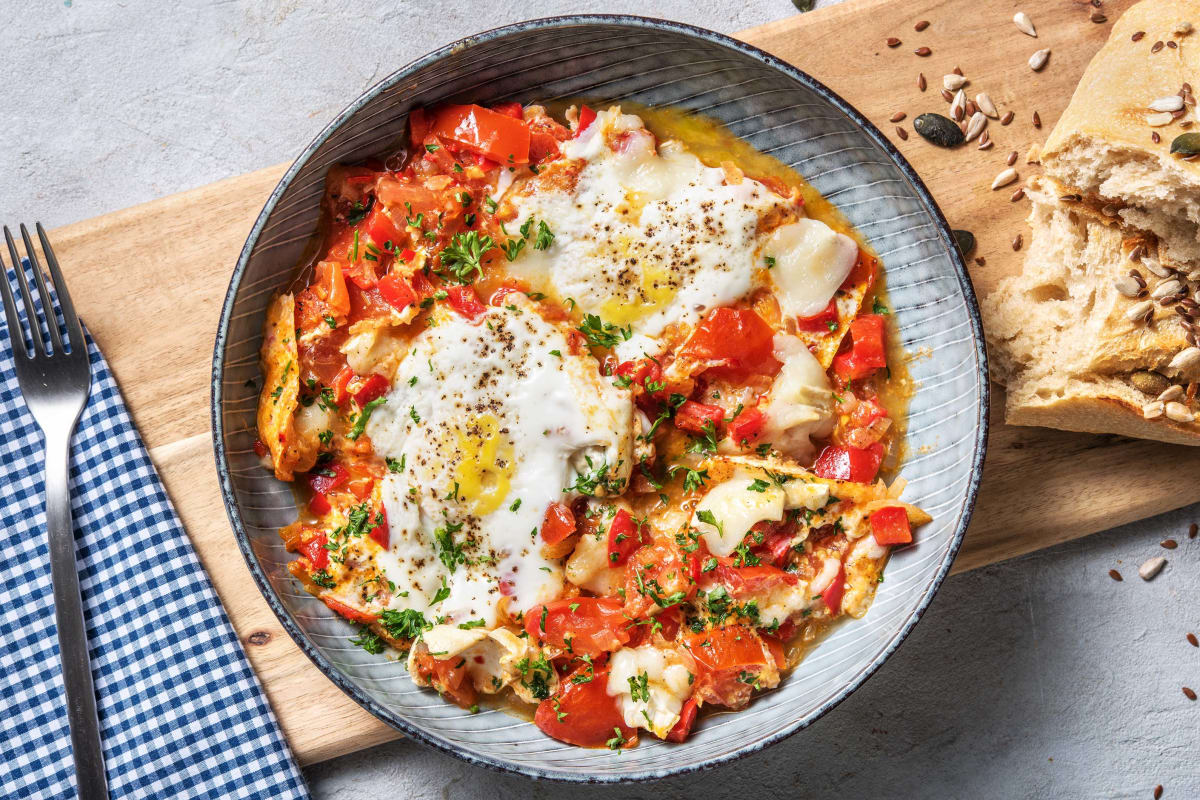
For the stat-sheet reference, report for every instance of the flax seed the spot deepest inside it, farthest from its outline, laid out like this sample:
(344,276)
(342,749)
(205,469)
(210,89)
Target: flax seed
(1116,576)
(903,134)
(923,52)
(1037,120)
(1017,195)
(1017,242)
(898,116)
(1193,529)
(921,81)
(1192,640)
(1169,544)
(1157,46)
(920,26)
(1012,158)
(1188,693)
(1007,118)
(893,42)
(1137,37)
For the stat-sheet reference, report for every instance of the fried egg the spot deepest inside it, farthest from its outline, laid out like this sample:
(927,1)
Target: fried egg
(487,423)
(650,237)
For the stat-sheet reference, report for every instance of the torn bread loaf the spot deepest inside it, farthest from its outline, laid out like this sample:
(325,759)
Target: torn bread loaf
(1082,339)
(1103,145)
(1099,332)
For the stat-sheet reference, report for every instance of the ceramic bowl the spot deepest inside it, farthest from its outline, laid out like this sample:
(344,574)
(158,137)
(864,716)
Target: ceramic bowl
(779,110)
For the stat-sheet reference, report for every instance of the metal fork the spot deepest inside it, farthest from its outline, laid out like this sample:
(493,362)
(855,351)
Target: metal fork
(55,383)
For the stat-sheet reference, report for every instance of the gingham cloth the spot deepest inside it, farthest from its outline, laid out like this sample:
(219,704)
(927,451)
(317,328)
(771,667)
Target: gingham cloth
(181,713)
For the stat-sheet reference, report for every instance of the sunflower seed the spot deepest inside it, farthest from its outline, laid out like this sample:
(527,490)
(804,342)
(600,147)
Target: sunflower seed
(1170,393)
(953,82)
(1152,567)
(1171,102)
(1155,267)
(938,129)
(986,105)
(1136,312)
(1006,177)
(1007,118)
(1185,359)
(1158,120)
(1024,24)
(1178,412)
(1153,410)
(957,70)
(1166,289)
(1127,286)
(958,107)
(1039,59)
(976,125)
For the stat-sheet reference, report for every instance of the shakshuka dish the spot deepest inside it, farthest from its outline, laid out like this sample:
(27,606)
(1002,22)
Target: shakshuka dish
(586,415)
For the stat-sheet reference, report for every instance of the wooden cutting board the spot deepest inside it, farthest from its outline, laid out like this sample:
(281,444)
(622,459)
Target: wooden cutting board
(150,280)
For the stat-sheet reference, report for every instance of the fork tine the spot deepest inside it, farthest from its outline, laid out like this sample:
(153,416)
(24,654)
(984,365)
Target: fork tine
(15,333)
(74,330)
(47,301)
(35,329)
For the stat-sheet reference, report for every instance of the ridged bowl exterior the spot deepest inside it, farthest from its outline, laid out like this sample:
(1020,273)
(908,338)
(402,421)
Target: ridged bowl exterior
(779,110)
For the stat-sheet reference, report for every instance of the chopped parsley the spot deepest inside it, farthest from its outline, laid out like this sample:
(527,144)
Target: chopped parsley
(323,579)
(603,334)
(406,624)
(639,687)
(360,422)
(450,552)
(462,256)
(369,640)
(878,307)
(396,466)
(758,485)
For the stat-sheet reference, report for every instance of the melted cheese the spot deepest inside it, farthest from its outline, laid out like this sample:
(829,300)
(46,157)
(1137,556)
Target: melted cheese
(483,415)
(799,405)
(659,679)
(736,508)
(811,262)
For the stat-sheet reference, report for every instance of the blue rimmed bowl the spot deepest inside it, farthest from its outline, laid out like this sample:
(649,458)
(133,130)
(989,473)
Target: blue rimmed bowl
(779,110)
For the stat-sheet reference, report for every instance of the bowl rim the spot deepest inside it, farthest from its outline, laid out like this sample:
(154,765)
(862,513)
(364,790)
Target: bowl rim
(631,21)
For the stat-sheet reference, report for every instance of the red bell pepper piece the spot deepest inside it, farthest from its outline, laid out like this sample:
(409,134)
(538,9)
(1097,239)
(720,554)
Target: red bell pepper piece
(319,505)
(833,595)
(747,426)
(586,117)
(348,612)
(513,110)
(693,416)
(485,132)
(641,371)
(260,448)
(867,352)
(859,465)
(687,718)
(558,524)
(890,526)
(464,300)
(381,228)
(325,483)
(624,537)
(381,533)
(398,294)
(314,550)
(373,387)
(820,322)
(341,385)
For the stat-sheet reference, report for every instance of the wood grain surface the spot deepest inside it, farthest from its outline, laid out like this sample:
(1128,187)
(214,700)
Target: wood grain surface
(150,280)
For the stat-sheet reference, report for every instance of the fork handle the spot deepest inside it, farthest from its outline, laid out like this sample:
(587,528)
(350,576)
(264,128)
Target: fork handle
(72,634)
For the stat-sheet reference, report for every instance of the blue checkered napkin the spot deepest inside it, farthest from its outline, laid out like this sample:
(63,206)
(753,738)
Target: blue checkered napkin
(181,713)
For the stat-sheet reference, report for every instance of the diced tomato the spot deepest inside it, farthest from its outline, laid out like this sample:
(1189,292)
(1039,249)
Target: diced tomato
(625,535)
(488,133)
(330,285)
(349,612)
(419,124)
(863,273)
(582,626)
(866,412)
(464,300)
(381,533)
(314,550)
(867,352)
(498,297)
(687,718)
(396,291)
(373,387)
(582,712)
(341,385)
(380,228)
(859,465)
(361,486)
(640,372)
(890,526)
(735,342)
(449,676)
(513,110)
(586,117)
(558,524)
(725,657)
(658,576)
(833,594)
(742,581)
(260,448)
(694,417)
(747,426)
(820,322)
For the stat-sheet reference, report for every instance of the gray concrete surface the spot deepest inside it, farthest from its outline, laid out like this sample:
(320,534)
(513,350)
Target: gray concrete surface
(1038,677)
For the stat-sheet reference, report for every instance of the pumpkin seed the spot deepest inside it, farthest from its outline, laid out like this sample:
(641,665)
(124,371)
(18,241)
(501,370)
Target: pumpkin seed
(1187,143)
(938,130)
(965,241)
